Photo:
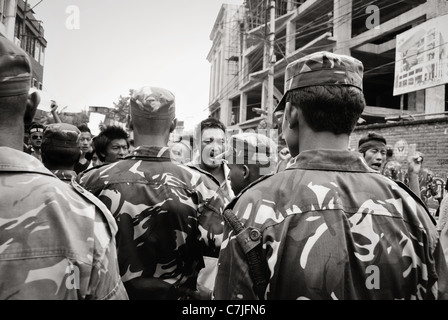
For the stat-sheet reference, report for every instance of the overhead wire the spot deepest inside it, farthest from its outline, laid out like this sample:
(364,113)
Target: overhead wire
(343,18)
(223,93)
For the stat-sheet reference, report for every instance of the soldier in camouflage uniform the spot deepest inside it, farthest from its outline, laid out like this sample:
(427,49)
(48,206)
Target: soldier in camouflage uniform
(57,241)
(249,156)
(328,227)
(60,150)
(168,215)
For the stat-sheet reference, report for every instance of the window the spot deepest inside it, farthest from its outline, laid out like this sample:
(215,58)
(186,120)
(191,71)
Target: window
(42,55)
(37,51)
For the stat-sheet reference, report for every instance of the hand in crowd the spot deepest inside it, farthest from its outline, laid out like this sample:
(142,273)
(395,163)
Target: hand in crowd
(415,163)
(284,154)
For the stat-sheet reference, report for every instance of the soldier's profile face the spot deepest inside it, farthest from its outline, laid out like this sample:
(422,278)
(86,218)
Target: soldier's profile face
(85,141)
(236,177)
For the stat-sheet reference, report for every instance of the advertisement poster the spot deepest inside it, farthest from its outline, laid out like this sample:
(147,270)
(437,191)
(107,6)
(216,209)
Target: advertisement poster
(421,56)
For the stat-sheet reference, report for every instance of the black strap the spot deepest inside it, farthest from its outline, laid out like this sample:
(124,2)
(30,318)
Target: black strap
(250,240)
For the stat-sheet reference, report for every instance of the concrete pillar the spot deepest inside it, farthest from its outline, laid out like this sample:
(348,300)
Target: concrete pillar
(243,107)
(290,44)
(10,19)
(342,25)
(435,96)
(434,100)
(416,101)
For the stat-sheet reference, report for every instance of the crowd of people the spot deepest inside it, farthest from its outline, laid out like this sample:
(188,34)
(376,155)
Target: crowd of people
(213,216)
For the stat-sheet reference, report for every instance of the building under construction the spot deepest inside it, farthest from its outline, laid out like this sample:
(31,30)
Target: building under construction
(406,96)
(251,50)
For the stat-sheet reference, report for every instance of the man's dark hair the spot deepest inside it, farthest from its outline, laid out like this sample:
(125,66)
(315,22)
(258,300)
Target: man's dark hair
(84,128)
(329,108)
(103,139)
(371,136)
(212,123)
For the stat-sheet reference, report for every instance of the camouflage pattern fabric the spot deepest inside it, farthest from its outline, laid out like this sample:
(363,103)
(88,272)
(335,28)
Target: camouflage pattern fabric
(320,69)
(225,186)
(56,241)
(169,216)
(333,229)
(65,175)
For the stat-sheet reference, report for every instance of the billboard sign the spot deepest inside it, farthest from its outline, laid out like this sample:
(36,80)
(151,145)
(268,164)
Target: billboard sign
(421,58)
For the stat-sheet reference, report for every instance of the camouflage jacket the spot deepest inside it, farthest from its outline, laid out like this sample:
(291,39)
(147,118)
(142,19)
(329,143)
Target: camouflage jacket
(64,175)
(333,229)
(168,216)
(225,186)
(56,240)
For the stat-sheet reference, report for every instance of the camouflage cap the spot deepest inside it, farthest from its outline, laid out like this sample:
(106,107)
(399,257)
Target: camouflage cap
(61,135)
(15,69)
(250,148)
(321,69)
(153,103)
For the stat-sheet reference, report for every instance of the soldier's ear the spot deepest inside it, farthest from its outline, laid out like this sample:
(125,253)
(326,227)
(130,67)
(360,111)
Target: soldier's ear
(291,115)
(31,107)
(173,125)
(246,171)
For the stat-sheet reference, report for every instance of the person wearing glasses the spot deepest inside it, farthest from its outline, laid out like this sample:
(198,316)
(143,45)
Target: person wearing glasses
(35,133)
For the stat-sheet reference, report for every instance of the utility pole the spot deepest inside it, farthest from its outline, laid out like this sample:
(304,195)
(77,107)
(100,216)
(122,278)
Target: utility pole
(269,107)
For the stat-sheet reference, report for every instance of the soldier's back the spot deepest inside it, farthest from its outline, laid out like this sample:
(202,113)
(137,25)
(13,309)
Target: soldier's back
(56,240)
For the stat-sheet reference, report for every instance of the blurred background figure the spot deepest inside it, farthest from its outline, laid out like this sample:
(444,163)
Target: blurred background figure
(182,149)
(35,133)
(392,168)
(95,160)
(421,180)
(60,151)
(85,145)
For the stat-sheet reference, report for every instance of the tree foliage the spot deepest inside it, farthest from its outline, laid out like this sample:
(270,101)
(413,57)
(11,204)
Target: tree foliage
(121,109)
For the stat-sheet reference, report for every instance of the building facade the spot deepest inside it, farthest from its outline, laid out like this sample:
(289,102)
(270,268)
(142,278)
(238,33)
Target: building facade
(364,29)
(7,18)
(29,35)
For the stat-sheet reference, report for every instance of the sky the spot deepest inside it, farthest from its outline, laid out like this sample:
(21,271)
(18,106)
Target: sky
(99,49)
